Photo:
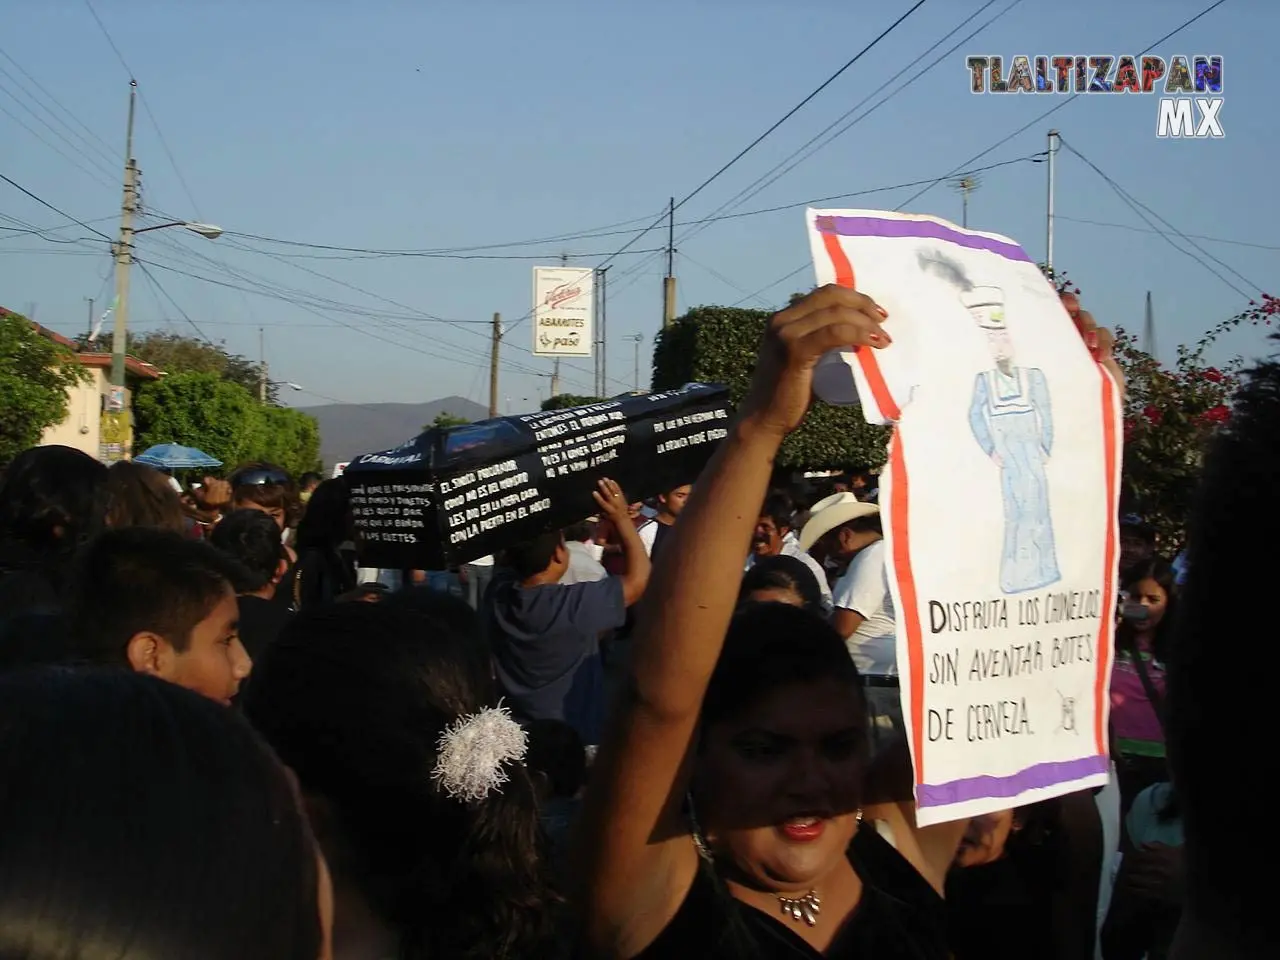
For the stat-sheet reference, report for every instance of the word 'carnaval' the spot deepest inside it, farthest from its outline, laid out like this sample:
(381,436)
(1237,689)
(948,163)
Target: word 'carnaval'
(1100,74)
(993,614)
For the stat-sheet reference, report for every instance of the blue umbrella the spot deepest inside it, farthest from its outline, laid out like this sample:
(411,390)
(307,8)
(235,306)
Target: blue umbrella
(174,456)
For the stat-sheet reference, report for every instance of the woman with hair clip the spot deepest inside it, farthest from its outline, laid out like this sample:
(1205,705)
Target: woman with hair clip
(411,771)
(727,814)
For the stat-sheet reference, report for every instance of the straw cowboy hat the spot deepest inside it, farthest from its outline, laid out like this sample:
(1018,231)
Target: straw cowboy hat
(832,512)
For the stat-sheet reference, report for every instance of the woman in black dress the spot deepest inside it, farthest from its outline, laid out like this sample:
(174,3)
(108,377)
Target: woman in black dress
(726,815)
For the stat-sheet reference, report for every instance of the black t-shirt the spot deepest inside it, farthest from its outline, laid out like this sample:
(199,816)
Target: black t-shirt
(900,917)
(260,623)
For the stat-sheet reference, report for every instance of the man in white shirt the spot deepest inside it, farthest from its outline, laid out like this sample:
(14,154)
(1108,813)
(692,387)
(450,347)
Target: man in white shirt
(584,563)
(850,531)
(774,537)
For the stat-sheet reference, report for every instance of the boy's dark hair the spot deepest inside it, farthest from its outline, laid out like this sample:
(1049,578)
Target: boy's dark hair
(129,581)
(309,479)
(530,558)
(252,540)
(556,750)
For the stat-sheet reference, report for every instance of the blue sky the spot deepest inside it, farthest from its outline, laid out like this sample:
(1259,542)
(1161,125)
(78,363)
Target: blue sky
(393,124)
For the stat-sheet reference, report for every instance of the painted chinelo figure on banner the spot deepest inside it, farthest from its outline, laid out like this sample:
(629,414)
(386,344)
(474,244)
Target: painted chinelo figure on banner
(1012,419)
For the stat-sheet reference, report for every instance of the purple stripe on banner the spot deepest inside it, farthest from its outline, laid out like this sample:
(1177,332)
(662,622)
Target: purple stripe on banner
(924,229)
(1034,777)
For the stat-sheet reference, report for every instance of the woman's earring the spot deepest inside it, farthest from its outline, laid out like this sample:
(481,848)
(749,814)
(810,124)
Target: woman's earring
(699,843)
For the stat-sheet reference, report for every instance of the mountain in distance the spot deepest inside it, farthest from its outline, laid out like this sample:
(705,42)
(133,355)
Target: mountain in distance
(348,430)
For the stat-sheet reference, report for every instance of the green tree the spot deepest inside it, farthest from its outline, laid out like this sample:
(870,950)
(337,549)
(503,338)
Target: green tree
(201,410)
(713,344)
(175,353)
(563,401)
(444,420)
(1170,414)
(290,439)
(35,375)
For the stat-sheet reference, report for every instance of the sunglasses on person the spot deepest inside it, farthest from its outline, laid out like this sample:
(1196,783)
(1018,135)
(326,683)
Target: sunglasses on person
(260,478)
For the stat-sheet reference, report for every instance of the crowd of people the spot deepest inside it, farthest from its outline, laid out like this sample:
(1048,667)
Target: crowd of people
(672,729)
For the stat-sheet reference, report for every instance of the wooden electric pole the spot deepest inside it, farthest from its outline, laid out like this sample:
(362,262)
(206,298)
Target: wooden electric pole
(493,364)
(669,281)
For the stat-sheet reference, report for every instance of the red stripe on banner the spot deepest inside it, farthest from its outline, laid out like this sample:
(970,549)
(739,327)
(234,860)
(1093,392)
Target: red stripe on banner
(866,358)
(898,522)
(1107,629)
(898,512)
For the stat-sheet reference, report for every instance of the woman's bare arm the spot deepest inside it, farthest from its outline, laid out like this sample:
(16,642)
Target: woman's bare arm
(635,860)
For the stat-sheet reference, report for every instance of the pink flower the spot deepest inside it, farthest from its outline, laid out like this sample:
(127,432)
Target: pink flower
(1152,414)
(1213,375)
(1218,414)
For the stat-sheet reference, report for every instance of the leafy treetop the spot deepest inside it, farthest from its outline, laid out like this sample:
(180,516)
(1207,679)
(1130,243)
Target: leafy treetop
(713,344)
(563,401)
(174,353)
(35,375)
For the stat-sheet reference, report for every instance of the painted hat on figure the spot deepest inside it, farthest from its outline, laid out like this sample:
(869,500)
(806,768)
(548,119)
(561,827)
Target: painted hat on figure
(832,512)
(986,304)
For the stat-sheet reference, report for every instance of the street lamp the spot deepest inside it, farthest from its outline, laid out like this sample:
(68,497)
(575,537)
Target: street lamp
(209,231)
(123,251)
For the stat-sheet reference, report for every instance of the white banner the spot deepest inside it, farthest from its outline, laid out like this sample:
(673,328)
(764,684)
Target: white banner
(998,505)
(563,311)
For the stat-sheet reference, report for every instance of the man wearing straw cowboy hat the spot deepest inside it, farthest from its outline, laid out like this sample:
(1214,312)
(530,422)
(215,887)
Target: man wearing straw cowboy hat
(1012,420)
(848,530)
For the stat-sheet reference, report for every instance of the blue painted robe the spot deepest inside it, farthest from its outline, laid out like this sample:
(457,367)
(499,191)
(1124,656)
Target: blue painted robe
(1011,417)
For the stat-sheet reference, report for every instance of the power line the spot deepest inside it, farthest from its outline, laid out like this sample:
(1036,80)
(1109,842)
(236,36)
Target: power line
(147,273)
(1032,158)
(606,230)
(1138,208)
(74,147)
(1197,236)
(111,153)
(46,203)
(747,149)
(807,150)
(90,172)
(103,27)
(1058,106)
(40,231)
(443,256)
(796,109)
(719,276)
(966,168)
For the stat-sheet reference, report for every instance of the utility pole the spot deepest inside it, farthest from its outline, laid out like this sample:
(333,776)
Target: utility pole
(493,364)
(637,338)
(90,328)
(669,281)
(124,250)
(262,366)
(555,378)
(1048,247)
(597,385)
(604,332)
(966,185)
(1149,329)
